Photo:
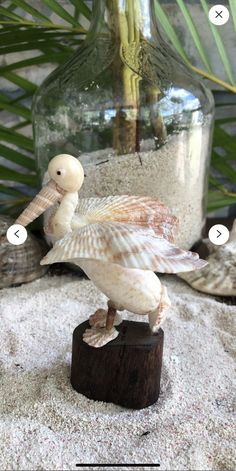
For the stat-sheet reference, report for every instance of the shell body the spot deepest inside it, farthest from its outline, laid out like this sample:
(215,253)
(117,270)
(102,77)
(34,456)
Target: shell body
(19,263)
(119,241)
(138,291)
(219,276)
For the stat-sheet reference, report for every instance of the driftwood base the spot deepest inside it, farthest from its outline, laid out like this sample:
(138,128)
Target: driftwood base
(126,371)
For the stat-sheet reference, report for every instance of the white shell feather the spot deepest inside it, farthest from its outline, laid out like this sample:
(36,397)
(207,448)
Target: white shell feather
(219,276)
(128,246)
(141,211)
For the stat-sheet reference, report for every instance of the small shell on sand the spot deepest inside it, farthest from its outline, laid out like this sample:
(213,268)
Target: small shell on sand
(219,276)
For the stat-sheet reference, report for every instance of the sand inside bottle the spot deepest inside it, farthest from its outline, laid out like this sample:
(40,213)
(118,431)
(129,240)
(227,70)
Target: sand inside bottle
(175,174)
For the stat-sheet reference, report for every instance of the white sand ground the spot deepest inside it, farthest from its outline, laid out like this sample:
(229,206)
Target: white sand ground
(46,425)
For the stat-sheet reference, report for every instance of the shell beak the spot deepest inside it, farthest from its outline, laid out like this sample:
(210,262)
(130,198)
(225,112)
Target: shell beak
(49,195)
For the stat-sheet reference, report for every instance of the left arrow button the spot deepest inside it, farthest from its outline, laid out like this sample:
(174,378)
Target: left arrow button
(16,234)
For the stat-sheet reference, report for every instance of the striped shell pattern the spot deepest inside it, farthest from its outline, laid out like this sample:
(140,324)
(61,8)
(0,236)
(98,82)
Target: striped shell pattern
(19,263)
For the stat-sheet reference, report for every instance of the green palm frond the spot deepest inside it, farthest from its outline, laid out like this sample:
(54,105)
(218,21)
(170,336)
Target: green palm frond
(223,167)
(220,45)
(52,43)
(206,72)
(195,35)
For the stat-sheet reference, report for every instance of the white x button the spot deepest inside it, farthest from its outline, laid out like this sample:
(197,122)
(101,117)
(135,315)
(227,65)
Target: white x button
(218,15)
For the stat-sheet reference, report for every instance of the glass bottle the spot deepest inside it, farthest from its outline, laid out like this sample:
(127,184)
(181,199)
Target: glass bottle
(137,118)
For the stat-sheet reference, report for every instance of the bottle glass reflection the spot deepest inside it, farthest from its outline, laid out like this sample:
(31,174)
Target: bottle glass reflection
(137,118)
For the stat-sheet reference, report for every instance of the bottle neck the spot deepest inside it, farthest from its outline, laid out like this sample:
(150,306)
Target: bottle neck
(127,20)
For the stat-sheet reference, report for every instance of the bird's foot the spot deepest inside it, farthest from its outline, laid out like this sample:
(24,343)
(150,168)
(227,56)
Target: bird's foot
(98,319)
(99,336)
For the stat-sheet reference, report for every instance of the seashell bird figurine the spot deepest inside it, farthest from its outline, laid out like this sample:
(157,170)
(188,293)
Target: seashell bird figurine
(119,241)
(219,276)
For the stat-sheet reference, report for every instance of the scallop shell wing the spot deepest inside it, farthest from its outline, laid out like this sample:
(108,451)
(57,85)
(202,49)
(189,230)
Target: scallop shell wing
(19,263)
(139,211)
(125,246)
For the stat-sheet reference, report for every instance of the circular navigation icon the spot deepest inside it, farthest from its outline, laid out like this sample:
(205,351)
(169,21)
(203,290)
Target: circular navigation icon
(218,234)
(218,15)
(16,234)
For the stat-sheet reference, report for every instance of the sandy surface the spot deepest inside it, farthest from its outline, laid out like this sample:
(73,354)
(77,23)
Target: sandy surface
(46,425)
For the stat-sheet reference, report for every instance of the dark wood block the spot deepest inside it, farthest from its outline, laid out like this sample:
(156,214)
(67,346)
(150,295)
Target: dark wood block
(126,371)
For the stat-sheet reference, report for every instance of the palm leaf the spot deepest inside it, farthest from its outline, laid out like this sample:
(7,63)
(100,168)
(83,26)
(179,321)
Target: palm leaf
(233,12)
(176,43)
(29,9)
(53,43)
(14,156)
(8,14)
(223,168)
(164,21)
(194,33)
(60,11)
(217,200)
(11,191)
(219,43)
(81,7)
(18,110)
(13,175)
(20,82)
(49,58)
(11,136)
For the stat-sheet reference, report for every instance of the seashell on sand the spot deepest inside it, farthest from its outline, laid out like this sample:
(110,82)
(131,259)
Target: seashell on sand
(219,276)
(19,263)
(99,336)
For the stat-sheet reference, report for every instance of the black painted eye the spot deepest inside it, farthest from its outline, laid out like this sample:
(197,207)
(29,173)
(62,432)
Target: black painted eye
(58,172)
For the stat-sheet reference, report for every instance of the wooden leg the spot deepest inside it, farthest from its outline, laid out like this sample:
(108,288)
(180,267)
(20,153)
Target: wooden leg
(111,314)
(100,336)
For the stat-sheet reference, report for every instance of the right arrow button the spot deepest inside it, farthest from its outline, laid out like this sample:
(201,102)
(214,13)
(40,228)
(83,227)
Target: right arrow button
(218,234)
